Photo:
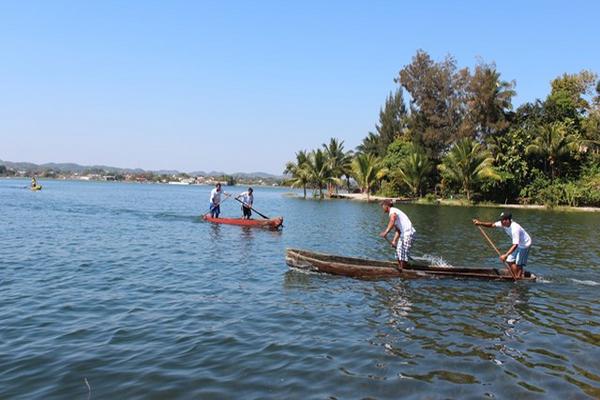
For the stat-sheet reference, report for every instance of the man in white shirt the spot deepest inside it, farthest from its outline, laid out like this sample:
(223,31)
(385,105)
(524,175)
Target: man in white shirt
(247,199)
(215,201)
(405,233)
(516,255)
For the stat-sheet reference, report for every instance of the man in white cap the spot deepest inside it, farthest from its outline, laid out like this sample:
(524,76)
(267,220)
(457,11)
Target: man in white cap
(516,255)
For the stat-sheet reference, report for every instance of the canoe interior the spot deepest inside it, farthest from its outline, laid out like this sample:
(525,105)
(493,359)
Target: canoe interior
(363,268)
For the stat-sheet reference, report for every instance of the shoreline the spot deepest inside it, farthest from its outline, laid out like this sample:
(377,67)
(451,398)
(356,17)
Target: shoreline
(458,203)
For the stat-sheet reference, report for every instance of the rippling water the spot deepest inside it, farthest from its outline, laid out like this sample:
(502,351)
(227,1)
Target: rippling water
(118,290)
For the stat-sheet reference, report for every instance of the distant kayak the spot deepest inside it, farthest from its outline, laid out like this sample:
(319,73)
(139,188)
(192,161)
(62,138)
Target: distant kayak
(36,188)
(272,223)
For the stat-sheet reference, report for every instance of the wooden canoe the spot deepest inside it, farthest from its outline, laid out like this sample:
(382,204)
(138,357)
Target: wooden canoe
(272,223)
(362,268)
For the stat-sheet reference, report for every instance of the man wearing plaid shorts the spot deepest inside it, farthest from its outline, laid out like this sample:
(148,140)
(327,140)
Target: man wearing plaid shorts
(405,233)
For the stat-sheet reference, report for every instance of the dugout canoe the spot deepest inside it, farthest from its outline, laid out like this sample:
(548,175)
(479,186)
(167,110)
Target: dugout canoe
(272,223)
(375,269)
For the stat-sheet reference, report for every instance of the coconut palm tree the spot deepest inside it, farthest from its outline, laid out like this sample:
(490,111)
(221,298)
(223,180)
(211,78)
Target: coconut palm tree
(468,164)
(554,144)
(319,171)
(340,161)
(367,170)
(413,170)
(298,171)
(371,144)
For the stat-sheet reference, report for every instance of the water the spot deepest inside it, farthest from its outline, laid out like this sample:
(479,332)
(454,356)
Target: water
(118,290)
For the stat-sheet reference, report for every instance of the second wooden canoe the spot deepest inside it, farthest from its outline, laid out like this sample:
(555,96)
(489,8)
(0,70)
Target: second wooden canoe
(364,268)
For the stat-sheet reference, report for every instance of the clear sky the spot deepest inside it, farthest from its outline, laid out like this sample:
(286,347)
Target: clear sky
(240,86)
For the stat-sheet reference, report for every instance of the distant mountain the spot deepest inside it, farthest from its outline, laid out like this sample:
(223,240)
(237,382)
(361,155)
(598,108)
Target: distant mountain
(76,168)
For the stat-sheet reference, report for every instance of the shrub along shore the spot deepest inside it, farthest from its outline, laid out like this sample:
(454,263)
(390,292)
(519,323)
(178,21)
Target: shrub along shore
(458,203)
(452,134)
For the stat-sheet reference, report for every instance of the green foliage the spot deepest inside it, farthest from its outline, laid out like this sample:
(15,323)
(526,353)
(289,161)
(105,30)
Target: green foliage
(460,134)
(392,125)
(340,161)
(319,170)
(298,170)
(437,109)
(468,165)
(414,169)
(554,144)
(489,101)
(367,170)
(568,96)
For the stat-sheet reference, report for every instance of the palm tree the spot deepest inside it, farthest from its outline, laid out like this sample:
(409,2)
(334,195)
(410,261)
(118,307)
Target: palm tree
(319,171)
(468,164)
(367,169)
(371,144)
(299,171)
(413,170)
(489,99)
(340,162)
(553,145)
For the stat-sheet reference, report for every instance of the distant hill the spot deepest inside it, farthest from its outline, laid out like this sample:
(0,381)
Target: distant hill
(76,168)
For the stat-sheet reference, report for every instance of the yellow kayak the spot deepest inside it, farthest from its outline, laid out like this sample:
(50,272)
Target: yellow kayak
(36,188)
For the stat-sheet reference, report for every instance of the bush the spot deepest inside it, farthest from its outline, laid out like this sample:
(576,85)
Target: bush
(430,198)
(389,189)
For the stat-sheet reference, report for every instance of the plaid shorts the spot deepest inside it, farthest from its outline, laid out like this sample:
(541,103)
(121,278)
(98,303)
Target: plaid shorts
(403,247)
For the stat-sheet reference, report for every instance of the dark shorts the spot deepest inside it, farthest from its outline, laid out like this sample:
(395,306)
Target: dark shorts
(215,210)
(247,212)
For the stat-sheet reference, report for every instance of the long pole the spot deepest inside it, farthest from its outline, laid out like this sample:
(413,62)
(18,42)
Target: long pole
(497,251)
(262,215)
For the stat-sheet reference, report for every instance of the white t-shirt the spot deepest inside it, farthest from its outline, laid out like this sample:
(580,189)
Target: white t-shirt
(247,198)
(402,224)
(516,233)
(215,196)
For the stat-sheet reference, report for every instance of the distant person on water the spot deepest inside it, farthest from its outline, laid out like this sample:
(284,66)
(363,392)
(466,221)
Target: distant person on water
(34,183)
(516,255)
(405,233)
(247,198)
(215,201)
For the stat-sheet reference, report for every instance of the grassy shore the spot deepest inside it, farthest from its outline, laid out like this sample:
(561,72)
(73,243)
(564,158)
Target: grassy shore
(461,203)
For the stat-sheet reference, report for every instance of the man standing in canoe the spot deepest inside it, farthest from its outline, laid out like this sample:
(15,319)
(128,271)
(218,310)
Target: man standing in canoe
(215,201)
(247,199)
(405,233)
(516,255)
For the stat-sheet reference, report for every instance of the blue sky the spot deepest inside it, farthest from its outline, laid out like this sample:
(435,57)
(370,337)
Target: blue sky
(240,86)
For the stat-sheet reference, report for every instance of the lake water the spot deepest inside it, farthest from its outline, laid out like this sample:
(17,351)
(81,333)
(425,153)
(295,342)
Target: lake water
(113,290)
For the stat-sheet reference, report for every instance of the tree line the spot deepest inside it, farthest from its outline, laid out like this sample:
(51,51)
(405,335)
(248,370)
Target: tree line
(450,132)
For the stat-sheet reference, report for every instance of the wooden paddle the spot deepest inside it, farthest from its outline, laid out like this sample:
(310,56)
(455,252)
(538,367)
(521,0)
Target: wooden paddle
(497,251)
(262,215)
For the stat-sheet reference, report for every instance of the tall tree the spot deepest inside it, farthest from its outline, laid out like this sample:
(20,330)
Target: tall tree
(340,161)
(371,144)
(437,91)
(319,171)
(391,125)
(367,171)
(489,101)
(414,170)
(570,97)
(554,144)
(298,170)
(468,164)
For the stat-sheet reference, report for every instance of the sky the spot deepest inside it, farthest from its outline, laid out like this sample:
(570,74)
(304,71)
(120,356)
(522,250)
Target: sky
(241,86)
